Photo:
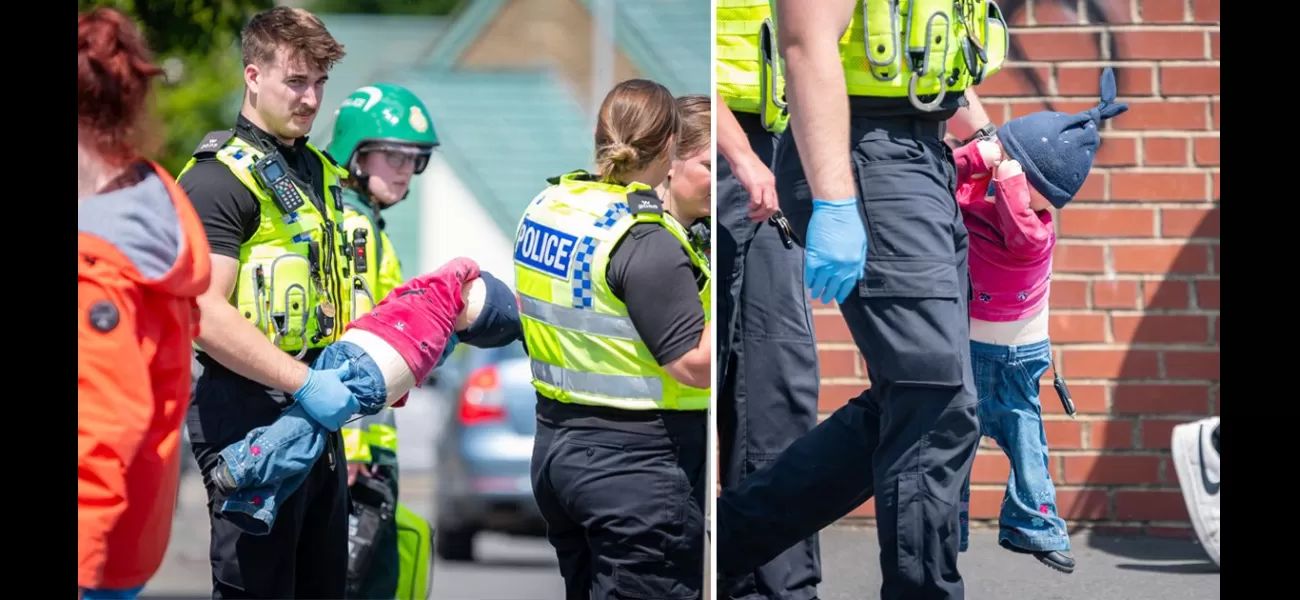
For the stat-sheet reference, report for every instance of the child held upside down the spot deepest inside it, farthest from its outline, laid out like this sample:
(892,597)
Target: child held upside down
(383,355)
(1011,242)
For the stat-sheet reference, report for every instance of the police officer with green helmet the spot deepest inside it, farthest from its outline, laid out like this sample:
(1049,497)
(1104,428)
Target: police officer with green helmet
(384,136)
(614,300)
(884,239)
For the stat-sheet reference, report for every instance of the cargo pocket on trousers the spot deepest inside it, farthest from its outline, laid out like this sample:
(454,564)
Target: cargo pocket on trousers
(910,521)
(650,579)
(916,319)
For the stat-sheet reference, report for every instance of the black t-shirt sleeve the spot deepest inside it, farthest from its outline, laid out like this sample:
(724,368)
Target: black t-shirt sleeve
(651,273)
(229,212)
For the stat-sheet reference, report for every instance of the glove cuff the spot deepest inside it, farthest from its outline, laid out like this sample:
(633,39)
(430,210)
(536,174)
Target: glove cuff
(840,202)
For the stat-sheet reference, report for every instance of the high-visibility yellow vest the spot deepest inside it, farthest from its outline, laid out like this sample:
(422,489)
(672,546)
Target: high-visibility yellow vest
(293,272)
(921,48)
(375,268)
(582,343)
(375,272)
(748,67)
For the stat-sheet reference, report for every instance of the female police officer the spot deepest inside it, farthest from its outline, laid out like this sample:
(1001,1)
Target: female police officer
(614,301)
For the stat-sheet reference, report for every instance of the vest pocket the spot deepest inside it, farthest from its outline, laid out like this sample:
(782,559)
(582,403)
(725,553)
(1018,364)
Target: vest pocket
(996,39)
(363,300)
(251,295)
(291,300)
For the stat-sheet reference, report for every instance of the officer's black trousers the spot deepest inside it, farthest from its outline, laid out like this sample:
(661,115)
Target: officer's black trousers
(305,555)
(767,364)
(910,439)
(624,510)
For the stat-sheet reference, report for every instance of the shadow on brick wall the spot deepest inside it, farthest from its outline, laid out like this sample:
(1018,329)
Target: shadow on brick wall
(1169,375)
(1145,347)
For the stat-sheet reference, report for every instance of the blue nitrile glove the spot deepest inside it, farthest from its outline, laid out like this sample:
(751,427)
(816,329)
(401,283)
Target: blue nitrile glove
(446,350)
(836,249)
(326,399)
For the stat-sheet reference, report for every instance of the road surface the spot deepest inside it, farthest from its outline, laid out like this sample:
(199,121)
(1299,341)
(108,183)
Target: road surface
(1109,567)
(507,568)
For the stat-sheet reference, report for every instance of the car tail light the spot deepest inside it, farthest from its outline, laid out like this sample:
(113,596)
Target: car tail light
(480,401)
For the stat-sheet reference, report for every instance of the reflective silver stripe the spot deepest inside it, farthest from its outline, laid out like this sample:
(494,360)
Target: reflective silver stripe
(583,321)
(614,386)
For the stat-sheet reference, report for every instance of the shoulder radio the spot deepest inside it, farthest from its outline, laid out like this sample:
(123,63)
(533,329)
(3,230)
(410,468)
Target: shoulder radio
(273,174)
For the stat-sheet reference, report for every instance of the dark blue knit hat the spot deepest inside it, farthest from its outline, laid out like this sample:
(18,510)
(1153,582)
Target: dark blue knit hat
(1056,149)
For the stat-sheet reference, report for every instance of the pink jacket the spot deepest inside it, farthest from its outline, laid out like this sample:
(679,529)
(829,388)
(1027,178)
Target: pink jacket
(1010,244)
(419,317)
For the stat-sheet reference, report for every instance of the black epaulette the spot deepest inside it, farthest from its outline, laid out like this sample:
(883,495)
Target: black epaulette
(326,154)
(645,201)
(212,142)
(582,174)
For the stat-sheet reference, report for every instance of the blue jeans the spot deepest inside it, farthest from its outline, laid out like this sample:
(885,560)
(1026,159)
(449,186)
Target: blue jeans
(1006,379)
(271,462)
(127,594)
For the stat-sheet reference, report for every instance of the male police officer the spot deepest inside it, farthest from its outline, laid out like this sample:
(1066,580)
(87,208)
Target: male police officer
(272,209)
(910,439)
(767,355)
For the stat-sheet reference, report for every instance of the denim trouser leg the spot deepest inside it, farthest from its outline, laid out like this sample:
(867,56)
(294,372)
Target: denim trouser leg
(1010,412)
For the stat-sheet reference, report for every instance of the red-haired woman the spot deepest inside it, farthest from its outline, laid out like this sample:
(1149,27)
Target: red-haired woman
(142,259)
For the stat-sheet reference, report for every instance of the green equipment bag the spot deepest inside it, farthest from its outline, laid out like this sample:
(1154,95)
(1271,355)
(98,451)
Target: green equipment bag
(415,547)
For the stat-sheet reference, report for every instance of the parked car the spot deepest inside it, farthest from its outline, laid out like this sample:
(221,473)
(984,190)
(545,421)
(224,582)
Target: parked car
(485,451)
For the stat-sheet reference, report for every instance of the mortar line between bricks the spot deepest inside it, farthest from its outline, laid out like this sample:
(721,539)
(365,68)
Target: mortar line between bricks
(1114,28)
(1160,169)
(1139,100)
(1108,242)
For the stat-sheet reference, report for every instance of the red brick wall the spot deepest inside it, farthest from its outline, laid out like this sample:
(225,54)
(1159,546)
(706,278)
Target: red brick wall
(1135,293)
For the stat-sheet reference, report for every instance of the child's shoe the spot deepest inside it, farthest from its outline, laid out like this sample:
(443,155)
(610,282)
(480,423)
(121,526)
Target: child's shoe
(1056,559)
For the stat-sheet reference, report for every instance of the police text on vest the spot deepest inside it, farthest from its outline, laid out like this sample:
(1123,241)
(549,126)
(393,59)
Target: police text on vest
(544,249)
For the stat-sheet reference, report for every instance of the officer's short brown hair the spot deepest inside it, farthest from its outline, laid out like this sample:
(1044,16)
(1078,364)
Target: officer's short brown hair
(297,33)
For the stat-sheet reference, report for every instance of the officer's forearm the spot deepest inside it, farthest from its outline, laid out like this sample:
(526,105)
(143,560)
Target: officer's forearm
(968,119)
(819,115)
(695,367)
(237,345)
(733,144)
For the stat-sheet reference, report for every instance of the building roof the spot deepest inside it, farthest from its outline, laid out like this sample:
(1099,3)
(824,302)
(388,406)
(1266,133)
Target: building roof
(669,40)
(503,132)
(375,44)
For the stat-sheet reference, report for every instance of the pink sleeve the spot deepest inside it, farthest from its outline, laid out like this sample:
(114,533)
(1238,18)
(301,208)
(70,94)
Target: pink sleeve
(418,317)
(970,165)
(1025,233)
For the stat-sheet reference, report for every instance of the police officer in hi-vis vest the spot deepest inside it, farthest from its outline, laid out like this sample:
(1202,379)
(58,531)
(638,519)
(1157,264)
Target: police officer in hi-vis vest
(384,136)
(884,239)
(767,354)
(614,300)
(272,207)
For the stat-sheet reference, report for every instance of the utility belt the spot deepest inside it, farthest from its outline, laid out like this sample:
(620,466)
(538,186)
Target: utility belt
(931,48)
(373,508)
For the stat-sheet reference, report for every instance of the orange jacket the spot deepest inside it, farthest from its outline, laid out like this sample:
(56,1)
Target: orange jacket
(143,259)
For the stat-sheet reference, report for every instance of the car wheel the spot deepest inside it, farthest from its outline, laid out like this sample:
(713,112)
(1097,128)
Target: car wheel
(454,545)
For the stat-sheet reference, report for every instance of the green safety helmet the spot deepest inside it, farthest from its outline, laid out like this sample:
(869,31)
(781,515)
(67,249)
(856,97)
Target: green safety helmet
(380,113)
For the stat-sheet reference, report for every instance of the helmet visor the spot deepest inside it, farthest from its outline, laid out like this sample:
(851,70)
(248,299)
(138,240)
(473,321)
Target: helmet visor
(398,155)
